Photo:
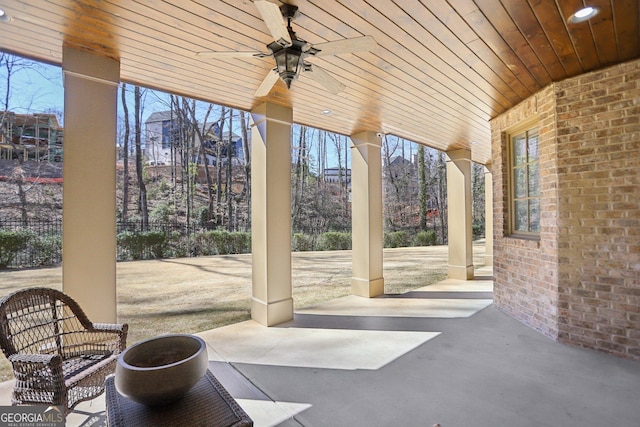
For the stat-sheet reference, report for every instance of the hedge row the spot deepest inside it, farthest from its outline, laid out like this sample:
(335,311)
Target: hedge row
(39,249)
(46,249)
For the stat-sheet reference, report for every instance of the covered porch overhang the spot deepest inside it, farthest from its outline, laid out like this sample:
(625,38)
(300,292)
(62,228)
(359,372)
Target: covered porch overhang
(439,73)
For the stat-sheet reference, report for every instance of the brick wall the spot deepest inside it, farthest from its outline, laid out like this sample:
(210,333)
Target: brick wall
(580,283)
(598,126)
(525,271)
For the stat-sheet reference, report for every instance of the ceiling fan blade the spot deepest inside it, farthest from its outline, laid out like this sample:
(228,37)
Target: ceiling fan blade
(268,82)
(230,54)
(272,16)
(356,44)
(325,79)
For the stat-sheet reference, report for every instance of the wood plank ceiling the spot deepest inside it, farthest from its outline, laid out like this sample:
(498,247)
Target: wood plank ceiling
(442,68)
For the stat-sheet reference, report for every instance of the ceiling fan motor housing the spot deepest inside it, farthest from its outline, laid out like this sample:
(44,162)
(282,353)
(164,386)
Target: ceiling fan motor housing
(289,11)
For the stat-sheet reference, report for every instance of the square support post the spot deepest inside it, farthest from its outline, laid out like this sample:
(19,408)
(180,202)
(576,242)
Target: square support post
(459,214)
(367,240)
(271,301)
(89,187)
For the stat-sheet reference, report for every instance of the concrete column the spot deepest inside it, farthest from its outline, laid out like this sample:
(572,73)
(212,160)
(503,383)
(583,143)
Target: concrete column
(366,196)
(488,215)
(459,214)
(271,301)
(89,188)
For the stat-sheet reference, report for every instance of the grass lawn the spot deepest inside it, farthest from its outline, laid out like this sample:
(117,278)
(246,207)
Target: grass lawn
(190,295)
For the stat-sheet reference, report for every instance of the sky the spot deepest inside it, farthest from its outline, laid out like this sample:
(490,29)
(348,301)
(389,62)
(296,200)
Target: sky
(35,88)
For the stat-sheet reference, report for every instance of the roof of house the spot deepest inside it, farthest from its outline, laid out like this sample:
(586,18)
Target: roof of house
(159,116)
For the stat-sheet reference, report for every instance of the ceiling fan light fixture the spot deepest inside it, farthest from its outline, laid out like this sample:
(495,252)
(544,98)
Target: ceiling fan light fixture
(288,62)
(583,15)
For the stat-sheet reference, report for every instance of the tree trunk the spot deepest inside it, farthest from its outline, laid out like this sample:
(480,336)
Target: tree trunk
(229,186)
(442,202)
(422,188)
(203,134)
(247,166)
(299,179)
(219,169)
(138,138)
(125,157)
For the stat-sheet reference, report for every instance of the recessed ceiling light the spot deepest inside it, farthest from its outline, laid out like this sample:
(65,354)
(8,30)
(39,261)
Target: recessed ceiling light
(326,112)
(583,14)
(3,16)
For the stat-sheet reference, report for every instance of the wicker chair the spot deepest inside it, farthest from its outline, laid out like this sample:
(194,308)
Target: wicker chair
(59,357)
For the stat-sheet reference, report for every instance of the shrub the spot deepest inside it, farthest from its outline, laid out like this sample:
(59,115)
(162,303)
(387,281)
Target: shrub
(202,218)
(335,241)
(156,243)
(161,213)
(130,245)
(204,244)
(478,230)
(425,238)
(47,249)
(182,246)
(302,242)
(137,245)
(222,242)
(241,242)
(397,239)
(11,243)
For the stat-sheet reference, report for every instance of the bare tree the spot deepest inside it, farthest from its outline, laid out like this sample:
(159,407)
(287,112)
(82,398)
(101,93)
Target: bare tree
(229,182)
(142,197)
(247,164)
(299,172)
(422,188)
(219,168)
(202,133)
(125,156)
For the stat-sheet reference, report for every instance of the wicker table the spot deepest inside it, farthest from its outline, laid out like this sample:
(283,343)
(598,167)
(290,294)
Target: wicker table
(206,404)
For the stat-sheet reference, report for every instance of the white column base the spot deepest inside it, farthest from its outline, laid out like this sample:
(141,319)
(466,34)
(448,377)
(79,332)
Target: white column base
(488,260)
(273,313)
(460,272)
(367,288)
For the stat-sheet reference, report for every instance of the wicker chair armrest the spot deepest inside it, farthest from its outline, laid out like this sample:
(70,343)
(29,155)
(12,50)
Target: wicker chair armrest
(118,330)
(45,360)
(109,327)
(36,376)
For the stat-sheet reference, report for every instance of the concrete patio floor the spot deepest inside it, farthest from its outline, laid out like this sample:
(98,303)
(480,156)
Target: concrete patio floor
(440,354)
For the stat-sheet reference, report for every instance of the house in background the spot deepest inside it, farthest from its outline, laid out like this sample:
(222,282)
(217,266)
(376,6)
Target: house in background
(158,138)
(215,146)
(164,136)
(335,175)
(37,137)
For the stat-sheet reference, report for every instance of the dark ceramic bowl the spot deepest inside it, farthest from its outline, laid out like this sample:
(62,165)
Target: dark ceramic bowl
(161,370)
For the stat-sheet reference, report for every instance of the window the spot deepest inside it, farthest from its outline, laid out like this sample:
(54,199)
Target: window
(166,134)
(525,182)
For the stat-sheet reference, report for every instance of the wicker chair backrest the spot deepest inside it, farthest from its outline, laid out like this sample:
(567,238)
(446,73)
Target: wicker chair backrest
(42,321)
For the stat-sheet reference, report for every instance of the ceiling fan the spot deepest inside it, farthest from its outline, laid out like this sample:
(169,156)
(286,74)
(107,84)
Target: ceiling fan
(290,52)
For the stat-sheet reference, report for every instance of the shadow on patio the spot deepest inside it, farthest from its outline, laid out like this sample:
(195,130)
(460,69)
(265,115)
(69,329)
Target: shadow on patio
(440,354)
